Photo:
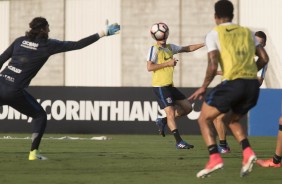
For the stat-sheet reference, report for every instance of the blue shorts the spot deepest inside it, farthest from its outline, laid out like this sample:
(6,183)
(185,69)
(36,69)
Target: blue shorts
(238,95)
(167,95)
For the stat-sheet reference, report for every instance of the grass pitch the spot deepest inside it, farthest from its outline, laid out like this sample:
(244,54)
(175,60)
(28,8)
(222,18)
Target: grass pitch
(127,159)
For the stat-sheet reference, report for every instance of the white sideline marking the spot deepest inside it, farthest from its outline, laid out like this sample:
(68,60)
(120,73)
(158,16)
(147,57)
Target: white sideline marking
(99,138)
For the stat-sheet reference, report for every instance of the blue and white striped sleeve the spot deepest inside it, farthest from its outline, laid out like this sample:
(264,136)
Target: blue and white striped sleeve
(175,49)
(152,55)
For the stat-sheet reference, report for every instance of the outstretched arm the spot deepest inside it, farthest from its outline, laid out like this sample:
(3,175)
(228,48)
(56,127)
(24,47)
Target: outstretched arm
(191,48)
(57,46)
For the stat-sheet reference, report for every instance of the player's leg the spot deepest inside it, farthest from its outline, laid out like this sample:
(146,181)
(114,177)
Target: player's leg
(243,101)
(218,101)
(161,94)
(182,108)
(223,147)
(166,96)
(249,156)
(166,101)
(279,141)
(208,114)
(220,127)
(182,105)
(26,104)
(170,114)
(276,160)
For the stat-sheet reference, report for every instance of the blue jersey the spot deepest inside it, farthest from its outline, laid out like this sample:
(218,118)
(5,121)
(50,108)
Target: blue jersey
(27,57)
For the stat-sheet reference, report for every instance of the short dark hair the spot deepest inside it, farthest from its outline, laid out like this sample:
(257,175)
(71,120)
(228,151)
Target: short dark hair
(36,25)
(261,34)
(224,9)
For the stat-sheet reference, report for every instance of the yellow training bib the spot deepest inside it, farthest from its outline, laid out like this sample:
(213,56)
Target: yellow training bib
(237,51)
(164,76)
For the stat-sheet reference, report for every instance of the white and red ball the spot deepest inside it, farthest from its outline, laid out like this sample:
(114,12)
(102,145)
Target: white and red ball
(159,31)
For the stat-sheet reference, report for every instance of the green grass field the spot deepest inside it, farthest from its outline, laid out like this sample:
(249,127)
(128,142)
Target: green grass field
(127,159)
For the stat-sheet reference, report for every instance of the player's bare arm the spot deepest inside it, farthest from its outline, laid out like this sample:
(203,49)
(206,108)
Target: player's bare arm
(213,57)
(191,48)
(211,72)
(262,57)
(153,67)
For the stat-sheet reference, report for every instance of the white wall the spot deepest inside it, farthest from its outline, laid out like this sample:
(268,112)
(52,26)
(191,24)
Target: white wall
(98,64)
(5,25)
(266,15)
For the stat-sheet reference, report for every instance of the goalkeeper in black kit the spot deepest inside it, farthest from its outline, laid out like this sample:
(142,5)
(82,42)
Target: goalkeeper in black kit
(28,54)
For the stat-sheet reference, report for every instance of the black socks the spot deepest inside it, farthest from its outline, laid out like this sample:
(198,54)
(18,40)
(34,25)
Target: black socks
(176,135)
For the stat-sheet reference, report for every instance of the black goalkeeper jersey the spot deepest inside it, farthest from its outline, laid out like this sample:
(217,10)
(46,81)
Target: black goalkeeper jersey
(27,57)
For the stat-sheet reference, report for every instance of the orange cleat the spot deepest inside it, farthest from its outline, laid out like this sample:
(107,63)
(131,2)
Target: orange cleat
(214,164)
(249,158)
(268,163)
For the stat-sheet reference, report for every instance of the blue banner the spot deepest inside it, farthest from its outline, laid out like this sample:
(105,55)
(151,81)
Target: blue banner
(264,117)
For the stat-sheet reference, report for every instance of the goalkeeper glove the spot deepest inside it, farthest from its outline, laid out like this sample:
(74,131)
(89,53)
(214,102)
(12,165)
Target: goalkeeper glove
(111,29)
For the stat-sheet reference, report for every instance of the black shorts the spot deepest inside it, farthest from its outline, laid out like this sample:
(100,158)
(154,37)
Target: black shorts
(167,95)
(239,95)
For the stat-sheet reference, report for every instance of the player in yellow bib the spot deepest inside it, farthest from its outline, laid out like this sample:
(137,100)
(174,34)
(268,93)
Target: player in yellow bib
(161,63)
(234,48)
(223,146)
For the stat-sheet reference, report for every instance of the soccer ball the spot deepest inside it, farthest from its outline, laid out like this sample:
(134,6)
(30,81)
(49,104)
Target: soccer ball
(159,31)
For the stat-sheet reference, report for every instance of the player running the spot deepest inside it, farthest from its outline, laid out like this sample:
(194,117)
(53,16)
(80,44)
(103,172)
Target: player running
(234,48)
(161,63)
(28,54)
(223,146)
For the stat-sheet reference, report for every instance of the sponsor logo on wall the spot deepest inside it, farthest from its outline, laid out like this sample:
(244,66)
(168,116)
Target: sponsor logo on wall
(87,110)
(110,110)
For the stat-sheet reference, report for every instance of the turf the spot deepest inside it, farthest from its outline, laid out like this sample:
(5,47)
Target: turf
(127,159)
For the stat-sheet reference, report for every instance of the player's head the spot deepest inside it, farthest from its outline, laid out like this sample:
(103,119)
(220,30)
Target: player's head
(39,28)
(261,37)
(223,10)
